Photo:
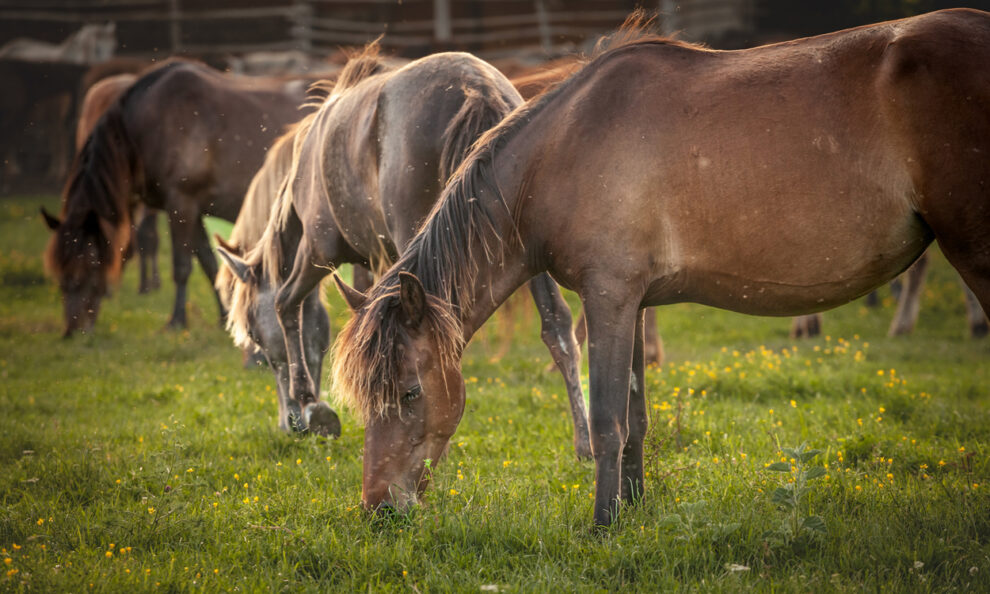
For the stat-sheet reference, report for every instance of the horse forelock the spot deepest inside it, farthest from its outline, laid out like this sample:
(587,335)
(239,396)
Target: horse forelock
(366,356)
(242,297)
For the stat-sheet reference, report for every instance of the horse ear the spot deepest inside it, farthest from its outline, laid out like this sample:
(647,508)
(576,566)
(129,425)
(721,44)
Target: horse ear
(355,299)
(412,297)
(222,243)
(50,219)
(236,264)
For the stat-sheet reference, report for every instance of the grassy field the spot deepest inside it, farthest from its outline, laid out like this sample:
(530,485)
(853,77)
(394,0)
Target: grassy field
(134,459)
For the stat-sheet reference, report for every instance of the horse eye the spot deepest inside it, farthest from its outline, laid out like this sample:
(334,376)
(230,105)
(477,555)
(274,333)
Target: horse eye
(412,394)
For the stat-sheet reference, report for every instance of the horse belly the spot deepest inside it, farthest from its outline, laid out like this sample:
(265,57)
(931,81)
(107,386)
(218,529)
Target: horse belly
(787,257)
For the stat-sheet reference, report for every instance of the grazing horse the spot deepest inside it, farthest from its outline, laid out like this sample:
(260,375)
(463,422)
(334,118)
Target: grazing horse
(185,139)
(778,180)
(367,173)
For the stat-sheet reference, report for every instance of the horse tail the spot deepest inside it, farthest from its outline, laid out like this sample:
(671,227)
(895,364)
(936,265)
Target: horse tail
(484,106)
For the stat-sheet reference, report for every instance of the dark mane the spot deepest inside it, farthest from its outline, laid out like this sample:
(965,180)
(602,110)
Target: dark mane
(461,229)
(102,177)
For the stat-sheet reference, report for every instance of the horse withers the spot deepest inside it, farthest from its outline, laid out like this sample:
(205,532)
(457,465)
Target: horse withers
(779,180)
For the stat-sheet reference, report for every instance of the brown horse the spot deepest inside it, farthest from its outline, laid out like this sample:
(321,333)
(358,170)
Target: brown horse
(779,180)
(184,138)
(368,170)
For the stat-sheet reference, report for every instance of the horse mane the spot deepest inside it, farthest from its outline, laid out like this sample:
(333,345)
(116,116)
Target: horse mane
(267,206)
(460,231)
(102,176)
(267,257)
(256,210)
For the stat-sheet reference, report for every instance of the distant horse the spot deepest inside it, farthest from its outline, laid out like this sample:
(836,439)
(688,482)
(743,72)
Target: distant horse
(367,173)
(908,307)
(779,180)
(184,138)
(90,44)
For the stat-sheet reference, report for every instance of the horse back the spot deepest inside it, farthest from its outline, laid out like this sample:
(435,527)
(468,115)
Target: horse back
(844,145)
(203,134)
(392,141)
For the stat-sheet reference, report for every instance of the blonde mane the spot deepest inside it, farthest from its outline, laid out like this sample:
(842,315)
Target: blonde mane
(274,184)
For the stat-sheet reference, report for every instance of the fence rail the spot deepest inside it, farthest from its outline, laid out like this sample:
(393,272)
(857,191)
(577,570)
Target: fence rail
(157,26)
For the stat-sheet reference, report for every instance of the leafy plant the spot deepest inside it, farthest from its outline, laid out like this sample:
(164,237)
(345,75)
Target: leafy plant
(790,498)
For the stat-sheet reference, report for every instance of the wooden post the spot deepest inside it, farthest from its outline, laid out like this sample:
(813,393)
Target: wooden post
(441,21)
(302,30)
(543,23)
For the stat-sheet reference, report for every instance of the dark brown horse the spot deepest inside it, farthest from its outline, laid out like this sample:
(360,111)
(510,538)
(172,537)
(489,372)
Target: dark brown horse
(779,180)
(184,138)
(368,170)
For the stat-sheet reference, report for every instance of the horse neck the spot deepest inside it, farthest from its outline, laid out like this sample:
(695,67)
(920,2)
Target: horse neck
(497,282)
(490,260)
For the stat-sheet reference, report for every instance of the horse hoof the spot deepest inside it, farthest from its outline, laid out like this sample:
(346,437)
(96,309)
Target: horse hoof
(321,420)
(980,330)
(583,450)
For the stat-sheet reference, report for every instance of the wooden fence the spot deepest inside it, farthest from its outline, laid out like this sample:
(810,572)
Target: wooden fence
(410,27)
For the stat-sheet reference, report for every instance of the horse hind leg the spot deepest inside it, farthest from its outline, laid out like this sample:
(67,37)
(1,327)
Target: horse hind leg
(204,253)
(653,349)
(909,301)
(808,326)
(978,324)
(556,333)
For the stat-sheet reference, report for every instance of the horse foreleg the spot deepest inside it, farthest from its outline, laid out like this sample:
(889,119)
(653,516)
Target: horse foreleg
(632,453)
(556,332)
(611,327)
(146,238)
(909,300)
(304,278)
(183,229)
(204,253)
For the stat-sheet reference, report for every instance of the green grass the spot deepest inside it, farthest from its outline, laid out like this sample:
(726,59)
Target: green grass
(135,459)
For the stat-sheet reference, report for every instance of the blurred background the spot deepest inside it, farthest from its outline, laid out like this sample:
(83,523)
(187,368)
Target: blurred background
(52,50)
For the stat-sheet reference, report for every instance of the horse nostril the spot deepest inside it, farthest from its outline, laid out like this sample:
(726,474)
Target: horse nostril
(386,509)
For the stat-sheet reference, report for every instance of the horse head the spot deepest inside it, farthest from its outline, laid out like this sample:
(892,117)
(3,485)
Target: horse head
(253,321)
(397,364)
(78,256)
